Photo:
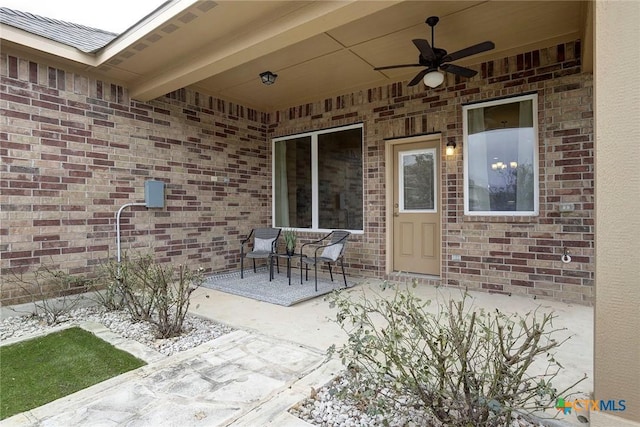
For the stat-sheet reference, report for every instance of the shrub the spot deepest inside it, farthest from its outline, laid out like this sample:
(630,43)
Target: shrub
(150,291)
(462,365)
(53,292)
(131,285)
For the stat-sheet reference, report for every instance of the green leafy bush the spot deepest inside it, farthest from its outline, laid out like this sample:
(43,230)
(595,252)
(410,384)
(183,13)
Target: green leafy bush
(462,365)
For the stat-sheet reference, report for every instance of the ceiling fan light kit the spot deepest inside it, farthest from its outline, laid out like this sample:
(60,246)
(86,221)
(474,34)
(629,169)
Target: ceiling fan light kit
(433,58)
(433,79)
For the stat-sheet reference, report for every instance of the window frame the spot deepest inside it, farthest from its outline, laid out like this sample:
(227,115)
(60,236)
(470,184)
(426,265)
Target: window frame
(315,215)
(533,97)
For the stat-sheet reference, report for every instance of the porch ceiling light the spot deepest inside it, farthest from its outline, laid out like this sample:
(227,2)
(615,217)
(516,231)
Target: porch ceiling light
(268,78)
(433,79)
(451,147)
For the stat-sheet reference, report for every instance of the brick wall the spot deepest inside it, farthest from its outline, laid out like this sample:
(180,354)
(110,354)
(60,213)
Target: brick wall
(498,254)
(75,148)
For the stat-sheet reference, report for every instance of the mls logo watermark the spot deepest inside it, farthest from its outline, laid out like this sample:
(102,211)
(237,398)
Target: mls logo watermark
(590,405)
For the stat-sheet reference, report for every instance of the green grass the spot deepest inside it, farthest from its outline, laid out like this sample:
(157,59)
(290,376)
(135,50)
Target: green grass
(44,369)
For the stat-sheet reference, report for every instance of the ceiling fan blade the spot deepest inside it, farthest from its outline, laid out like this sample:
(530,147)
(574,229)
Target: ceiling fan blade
(425,49)
(456,69)
(418,78)
(388,67)
(471,50)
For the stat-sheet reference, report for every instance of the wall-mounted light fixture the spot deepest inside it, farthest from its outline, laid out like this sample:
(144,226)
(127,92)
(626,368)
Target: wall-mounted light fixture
(451,147)
(268,78)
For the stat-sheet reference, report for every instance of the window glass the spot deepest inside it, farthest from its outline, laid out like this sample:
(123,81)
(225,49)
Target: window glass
(318,180)
(500,157)
(340,179)
(293,183)
(417,181)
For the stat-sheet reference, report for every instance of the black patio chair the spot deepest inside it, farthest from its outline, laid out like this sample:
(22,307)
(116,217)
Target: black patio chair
(265,242)
(329,249)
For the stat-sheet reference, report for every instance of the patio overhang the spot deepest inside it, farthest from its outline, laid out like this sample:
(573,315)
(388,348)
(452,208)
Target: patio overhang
(319,49)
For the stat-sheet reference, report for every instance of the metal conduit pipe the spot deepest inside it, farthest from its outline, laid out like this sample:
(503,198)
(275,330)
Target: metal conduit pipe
(118,224)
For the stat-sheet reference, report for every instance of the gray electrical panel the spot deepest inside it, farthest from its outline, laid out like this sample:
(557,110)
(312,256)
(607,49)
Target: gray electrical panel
(154,194)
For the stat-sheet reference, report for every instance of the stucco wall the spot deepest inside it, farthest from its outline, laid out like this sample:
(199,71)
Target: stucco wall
(617,105)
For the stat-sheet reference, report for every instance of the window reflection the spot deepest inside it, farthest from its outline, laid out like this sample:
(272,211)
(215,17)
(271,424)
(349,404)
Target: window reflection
(293,182)
(338,188)
(418,181)
(340,179)
(501,144)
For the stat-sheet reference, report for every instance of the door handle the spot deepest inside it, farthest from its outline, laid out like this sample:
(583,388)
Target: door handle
(396,214)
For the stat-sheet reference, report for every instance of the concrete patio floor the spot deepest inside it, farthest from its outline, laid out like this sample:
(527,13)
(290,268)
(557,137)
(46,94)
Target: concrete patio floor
(311,323)
(252,376)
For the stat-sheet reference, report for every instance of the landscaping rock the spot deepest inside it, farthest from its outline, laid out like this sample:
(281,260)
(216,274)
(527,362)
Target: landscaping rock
(197,330)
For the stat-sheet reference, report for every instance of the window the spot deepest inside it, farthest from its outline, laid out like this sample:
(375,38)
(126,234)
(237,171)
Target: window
(418,181)
(501,157)
(317,180)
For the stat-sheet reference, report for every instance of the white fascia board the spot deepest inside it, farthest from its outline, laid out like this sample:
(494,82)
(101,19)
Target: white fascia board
(142,29)
(46,45)
(114,48)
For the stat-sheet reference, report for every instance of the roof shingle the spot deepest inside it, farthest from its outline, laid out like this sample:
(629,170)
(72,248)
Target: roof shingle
(83,38)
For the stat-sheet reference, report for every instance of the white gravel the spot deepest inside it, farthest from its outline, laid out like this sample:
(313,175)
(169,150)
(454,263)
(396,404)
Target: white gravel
(324,408)
(197,330)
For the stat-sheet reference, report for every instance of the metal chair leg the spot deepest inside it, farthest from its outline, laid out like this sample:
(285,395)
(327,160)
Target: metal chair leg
(330,273)
(241,265)
(343,275)
(315,265)
(254,265)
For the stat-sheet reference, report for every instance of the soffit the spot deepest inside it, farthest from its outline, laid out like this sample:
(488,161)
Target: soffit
(317,48)
(344,58)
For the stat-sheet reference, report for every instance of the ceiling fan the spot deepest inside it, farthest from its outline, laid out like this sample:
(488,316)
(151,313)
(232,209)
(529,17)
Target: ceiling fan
(433,58)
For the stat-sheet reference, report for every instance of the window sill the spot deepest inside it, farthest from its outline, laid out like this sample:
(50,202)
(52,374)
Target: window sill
(518,219)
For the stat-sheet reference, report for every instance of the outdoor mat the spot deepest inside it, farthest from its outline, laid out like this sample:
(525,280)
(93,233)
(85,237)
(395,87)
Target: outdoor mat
(257,285)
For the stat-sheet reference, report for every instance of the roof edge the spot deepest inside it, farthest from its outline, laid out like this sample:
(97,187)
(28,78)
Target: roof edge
(46,45)
(98,57)
(167,11)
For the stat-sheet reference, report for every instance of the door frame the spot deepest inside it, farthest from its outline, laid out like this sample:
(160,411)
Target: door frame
(390,144)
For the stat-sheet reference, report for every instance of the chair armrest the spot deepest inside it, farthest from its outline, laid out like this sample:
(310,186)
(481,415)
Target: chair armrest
(341,242)
(318,247)
(310,243)
(314,242)
(274,245)
(248,237)
(242,242)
